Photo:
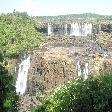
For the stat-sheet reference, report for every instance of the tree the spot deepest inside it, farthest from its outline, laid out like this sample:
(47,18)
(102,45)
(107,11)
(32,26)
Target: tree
(91,95)
(17,33)
(8,97)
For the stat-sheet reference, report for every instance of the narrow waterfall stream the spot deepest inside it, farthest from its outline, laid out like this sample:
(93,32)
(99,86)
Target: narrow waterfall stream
(78,68)
(86,71)
(49,29)
(83,70)
(21,82)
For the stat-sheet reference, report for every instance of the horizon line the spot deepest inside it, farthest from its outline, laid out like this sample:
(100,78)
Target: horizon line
(56,14)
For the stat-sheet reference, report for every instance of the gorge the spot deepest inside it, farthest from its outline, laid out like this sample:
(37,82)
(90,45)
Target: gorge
(70,52)
(42,56)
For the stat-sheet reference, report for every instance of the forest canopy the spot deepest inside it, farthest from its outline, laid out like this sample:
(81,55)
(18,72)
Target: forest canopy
(17,33)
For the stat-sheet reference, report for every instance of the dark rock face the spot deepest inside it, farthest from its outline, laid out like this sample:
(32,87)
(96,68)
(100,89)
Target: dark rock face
(50,69)
(27,102)
(106,28)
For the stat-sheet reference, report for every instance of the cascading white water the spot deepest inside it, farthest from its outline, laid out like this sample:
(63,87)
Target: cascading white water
(83,70)
(75,29)
(86,70)
(79,68)
(81,29)
(88,29)
(49,29)
(66,29)
(21,82)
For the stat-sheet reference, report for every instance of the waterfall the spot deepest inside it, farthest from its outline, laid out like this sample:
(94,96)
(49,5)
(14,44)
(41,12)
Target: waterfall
(65,29)
(81,29)
(88,28)
(83,69)
(49,29)
(75,30)
(21,82)
(78,68)
(86,71)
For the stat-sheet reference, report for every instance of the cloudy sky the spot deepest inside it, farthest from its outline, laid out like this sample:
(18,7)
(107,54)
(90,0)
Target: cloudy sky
(57,7)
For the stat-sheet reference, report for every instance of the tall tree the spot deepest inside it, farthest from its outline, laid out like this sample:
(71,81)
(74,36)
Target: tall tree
(17,33)
(8,97)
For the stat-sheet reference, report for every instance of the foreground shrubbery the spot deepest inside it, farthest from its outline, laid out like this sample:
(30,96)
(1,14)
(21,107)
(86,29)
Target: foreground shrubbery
(8,97)
(91,95)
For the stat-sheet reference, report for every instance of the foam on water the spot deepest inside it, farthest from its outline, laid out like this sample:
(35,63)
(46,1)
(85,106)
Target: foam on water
(21,82)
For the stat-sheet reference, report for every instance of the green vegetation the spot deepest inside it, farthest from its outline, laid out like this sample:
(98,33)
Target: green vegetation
(8,97)
(91,95)
(17,33)
(86,17)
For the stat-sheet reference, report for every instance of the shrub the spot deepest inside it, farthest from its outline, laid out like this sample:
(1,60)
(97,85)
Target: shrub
(8,97)
(91,95)
(18,34)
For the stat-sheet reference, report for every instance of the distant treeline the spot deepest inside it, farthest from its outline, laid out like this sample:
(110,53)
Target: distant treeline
(85,17)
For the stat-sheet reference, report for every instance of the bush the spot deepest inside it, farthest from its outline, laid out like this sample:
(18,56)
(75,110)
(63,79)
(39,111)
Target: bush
(8,97)
(91,95)
(18,34)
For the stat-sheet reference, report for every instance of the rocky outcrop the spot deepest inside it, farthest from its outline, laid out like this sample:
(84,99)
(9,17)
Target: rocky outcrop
(105,39)
(28,102)
(50,69)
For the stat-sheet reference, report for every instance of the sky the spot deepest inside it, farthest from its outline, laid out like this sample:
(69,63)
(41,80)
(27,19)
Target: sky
(57,7)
